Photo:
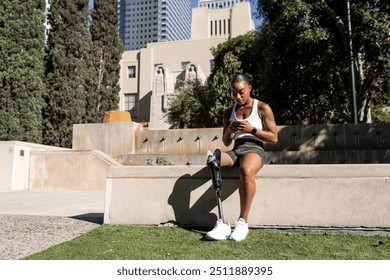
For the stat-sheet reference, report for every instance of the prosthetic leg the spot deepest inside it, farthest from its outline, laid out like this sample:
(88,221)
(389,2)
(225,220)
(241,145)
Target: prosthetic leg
(214,164)
(221,230)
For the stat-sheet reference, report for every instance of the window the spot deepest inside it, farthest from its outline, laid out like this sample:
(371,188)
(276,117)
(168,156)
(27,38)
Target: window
(184,64)
(131,72)
(212,65)
(131,104)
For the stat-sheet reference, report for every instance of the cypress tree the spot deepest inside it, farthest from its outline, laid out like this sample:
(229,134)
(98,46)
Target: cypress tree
(22,41)
(69,73)
(108,49)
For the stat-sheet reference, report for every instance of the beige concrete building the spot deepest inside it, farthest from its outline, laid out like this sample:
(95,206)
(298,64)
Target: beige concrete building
(223,19)
(151,76)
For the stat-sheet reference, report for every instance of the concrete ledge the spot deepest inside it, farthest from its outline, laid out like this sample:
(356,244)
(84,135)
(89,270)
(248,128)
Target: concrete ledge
(69,170)
(15,163)
(287,195)
(274,157)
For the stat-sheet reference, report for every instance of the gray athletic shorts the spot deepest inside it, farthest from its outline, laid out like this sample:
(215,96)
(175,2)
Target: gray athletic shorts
(243,147)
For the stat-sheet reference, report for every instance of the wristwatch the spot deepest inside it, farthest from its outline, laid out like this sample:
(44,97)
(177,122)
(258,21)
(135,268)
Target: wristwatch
(253,131)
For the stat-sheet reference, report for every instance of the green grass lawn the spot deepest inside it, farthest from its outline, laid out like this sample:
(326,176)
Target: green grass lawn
(110,242)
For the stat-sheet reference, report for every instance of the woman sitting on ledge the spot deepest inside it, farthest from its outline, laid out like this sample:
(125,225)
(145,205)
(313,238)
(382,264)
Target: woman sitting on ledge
(249,122)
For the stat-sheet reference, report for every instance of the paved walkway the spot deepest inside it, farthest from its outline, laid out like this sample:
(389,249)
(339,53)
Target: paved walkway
(32,221)
(52,203)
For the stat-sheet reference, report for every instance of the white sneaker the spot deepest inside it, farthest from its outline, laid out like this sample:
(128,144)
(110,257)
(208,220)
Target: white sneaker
(221,231)
(240,231)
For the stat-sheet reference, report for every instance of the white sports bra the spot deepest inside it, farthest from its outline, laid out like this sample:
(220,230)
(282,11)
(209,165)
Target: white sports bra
(254,119)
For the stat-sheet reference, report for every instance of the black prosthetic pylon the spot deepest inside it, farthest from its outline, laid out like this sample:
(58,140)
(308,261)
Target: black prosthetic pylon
(214,164)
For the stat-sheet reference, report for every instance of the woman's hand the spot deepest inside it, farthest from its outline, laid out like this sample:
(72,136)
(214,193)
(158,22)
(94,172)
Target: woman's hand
(243,126)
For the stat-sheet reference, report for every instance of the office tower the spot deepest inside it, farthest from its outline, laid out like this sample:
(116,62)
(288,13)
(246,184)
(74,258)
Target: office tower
(146,21)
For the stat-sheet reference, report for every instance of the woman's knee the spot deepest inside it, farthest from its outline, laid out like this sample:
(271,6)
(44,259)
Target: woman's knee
(248,176)
(247,171)
(250,165)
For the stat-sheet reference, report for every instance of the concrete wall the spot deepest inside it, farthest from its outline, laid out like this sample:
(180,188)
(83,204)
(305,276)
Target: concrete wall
(239,17)
(180,141)
(114,139)
(331,137)
(15,163)
(28,166)
(69,170)
(349,143)
(246,22)
(287,195)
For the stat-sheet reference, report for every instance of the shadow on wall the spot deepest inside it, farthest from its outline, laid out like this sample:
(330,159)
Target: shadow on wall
(185,190)
(144,102)
(313,144)
(331,144)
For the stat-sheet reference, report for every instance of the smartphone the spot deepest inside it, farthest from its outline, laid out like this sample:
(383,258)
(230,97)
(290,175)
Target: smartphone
(235,123)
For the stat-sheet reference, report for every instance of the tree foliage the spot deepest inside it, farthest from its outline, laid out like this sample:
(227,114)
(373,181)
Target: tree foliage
(305,56)
(22,40)
(69,70)
(236,55)
(47,88)
(381,104)
(191,107)
(300,61)
(103,95)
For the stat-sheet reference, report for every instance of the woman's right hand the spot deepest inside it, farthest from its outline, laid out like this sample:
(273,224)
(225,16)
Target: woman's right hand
(233,127)
(237,125)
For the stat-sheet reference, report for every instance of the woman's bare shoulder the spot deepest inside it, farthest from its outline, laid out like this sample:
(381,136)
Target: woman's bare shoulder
(263,107)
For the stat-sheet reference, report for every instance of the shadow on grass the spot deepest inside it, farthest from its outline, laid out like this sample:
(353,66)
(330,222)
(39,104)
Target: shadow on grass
(96,218)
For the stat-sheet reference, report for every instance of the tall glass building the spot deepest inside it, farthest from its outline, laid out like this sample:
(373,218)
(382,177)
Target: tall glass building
(146,21)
